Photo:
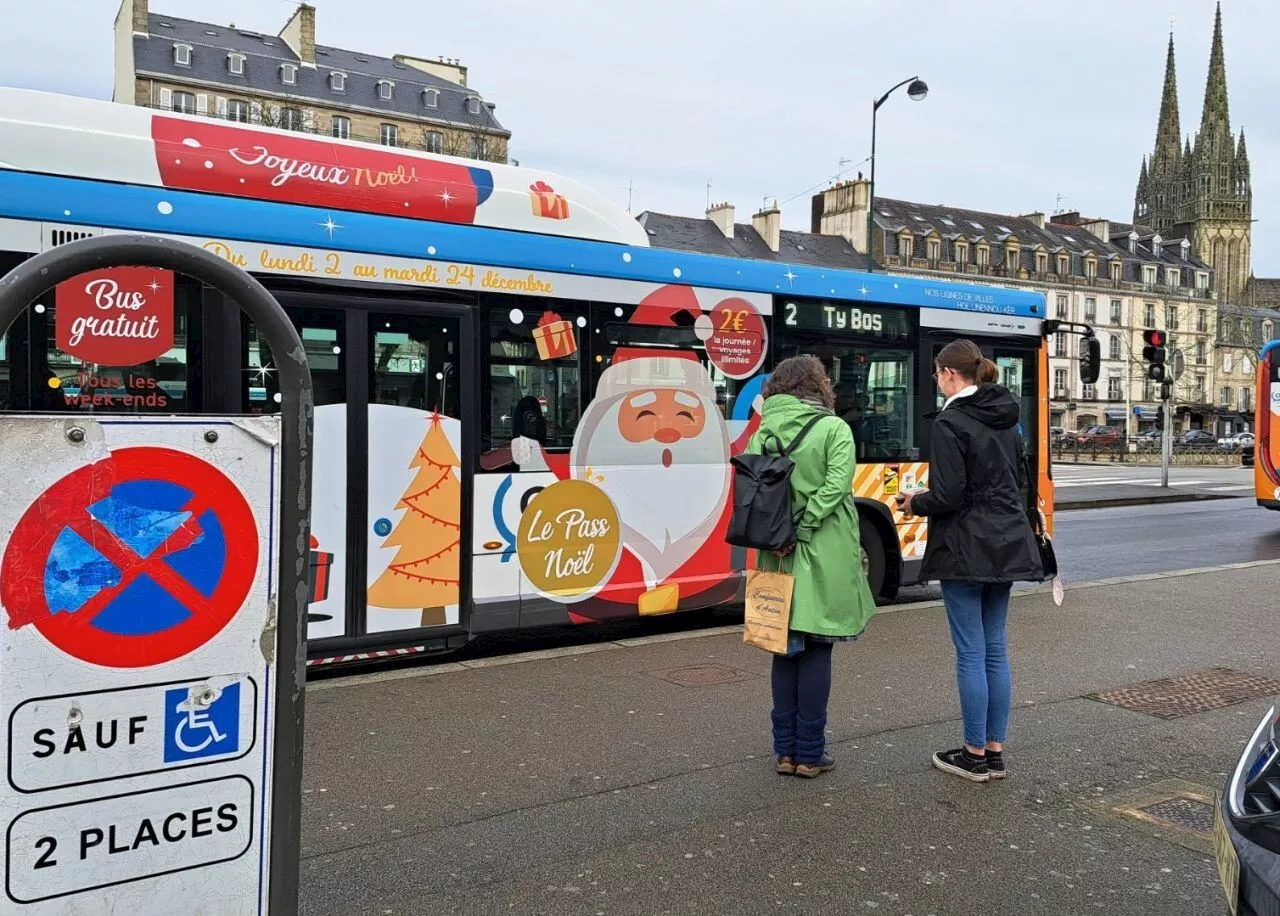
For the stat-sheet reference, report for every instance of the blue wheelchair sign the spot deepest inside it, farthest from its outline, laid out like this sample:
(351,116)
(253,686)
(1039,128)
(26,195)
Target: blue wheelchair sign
(192,731)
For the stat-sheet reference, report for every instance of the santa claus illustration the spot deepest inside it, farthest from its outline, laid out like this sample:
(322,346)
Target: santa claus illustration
(656,442)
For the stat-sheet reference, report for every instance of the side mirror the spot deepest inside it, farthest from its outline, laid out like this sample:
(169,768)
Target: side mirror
(1090,360)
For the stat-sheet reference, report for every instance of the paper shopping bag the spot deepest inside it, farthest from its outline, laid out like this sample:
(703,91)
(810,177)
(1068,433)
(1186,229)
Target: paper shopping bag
(767,617)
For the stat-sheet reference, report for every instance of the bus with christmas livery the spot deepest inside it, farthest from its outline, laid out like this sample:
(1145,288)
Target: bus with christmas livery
(525,412)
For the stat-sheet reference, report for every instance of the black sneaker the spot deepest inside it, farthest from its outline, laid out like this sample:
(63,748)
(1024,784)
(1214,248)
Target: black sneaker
(963,764)
(817,768)
(995,764)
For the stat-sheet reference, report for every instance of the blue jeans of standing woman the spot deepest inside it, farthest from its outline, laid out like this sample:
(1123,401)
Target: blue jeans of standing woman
(978,613)
(801,688)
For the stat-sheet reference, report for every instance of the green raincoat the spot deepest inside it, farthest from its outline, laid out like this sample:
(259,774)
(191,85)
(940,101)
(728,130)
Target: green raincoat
(831,597)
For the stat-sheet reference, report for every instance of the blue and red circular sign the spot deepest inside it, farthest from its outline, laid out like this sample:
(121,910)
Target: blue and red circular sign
(135,560)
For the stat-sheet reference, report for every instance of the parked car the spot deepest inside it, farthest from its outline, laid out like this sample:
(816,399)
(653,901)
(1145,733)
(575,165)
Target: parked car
(1152,440)
(1246,827)
(1197,438)
(1098,436)
(1246,455)
(1059,436)
(1236,442)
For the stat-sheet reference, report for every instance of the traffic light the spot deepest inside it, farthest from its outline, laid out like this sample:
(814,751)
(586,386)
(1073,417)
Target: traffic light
(1154,354)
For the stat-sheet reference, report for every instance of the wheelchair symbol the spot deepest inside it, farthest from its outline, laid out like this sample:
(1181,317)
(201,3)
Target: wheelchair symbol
(195,720)
(204,727)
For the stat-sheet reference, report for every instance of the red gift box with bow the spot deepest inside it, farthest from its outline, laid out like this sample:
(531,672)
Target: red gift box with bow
(546,202)
(554,337)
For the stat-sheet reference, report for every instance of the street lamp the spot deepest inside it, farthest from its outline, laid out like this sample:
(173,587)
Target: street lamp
(916,91)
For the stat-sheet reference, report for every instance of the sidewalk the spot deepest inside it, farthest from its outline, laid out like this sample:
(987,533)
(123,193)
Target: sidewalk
(1109,495)
(623,779)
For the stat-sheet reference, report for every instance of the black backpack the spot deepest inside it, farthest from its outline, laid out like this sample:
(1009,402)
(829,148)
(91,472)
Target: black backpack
(761,516)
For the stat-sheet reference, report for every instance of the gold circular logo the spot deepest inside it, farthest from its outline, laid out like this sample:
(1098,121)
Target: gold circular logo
(569,541)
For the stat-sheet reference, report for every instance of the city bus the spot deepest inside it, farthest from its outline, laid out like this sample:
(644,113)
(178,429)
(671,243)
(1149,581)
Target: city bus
(1266,442)
(525,411)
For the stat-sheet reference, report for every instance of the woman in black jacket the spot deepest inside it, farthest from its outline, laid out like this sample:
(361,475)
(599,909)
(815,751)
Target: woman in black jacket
(980,542)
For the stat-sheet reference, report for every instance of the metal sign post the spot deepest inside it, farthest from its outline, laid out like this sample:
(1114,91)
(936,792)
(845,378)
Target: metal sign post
(153,592)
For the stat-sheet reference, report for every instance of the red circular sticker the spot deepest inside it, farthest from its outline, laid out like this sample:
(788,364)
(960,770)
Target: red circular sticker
(738,338)
(132,561)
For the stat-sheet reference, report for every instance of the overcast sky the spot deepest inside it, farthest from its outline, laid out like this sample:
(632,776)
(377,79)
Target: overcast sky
(1027,101)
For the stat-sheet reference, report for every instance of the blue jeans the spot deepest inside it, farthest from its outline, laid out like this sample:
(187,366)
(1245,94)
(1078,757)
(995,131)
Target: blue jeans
(801,688)
(978,613)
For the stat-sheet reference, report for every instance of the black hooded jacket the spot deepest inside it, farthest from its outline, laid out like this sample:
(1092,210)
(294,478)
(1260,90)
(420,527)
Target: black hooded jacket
(978,528)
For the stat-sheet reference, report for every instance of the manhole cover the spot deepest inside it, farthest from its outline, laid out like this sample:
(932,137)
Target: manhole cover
(1169,698)
(1187,811)
(702,675)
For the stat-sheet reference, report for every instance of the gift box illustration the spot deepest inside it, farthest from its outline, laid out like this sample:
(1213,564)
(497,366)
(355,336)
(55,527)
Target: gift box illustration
(546,202)
(554,337)
(318,573)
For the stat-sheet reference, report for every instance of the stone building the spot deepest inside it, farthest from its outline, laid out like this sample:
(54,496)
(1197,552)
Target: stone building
(1119,278)
(287,80)
(1201,191)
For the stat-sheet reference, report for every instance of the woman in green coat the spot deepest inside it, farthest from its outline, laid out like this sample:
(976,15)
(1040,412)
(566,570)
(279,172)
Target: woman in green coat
(831,601)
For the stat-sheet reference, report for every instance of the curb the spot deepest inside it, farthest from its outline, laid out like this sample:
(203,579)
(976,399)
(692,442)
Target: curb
(1121,501)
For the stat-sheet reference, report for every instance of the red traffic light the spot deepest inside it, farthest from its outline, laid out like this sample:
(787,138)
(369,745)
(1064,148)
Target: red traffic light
(1155,338)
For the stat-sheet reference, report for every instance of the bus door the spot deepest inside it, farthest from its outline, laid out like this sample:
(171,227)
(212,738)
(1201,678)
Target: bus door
(388,529)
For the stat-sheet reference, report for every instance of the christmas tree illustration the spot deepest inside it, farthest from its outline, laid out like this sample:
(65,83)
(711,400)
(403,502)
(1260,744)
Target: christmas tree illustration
(424,573)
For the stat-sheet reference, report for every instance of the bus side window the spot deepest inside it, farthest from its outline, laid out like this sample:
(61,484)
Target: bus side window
(532,375)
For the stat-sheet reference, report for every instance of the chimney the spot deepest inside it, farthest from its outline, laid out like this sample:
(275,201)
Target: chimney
(722,216)
(1037,218)
(768,223)
(299,34)
(141,16)
(1099,228)
(842,210)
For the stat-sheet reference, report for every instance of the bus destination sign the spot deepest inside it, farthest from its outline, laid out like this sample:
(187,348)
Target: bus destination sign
(862,320)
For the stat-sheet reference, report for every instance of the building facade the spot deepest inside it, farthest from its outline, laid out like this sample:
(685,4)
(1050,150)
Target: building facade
(1119,278)
(289,81)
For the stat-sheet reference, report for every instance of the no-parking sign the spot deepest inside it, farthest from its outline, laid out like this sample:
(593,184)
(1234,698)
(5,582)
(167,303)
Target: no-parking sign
(137,639)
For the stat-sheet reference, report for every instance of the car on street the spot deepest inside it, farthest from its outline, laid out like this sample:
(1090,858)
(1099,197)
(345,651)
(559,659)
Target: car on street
(1150,440)
(1246,828)
(1246,455)
(1197,439)
(1236,442)
(1099,436)
(1060,437)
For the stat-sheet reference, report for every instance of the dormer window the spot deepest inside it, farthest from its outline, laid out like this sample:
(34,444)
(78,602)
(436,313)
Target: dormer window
(1012,258)
(1133,243)
(906,245)
(385,88)
(473,105)
(1042,262)
(962,252)
(431,98)
(182,55)
(1157,246)
(338,81)
(1173,277)
(1117,268)
(984,255)
(288,74)
(1090,267)
(934,247)
(235,64)
(1064,264)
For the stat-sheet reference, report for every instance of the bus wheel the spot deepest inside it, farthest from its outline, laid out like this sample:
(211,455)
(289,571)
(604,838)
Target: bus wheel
(872,554)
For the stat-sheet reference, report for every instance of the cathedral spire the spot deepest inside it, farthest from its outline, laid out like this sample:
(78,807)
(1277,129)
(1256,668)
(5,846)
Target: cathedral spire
(1215,121)
(1169,129)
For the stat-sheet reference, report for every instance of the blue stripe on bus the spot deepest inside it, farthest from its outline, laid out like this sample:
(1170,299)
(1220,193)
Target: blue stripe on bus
(1268,347)
(77,201)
